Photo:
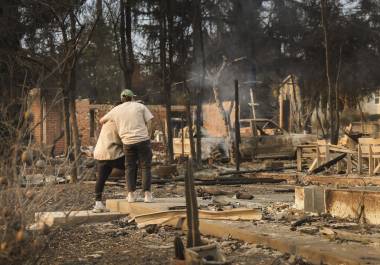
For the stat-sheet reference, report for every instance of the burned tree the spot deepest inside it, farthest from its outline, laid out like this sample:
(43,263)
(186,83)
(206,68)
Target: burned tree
(127,60)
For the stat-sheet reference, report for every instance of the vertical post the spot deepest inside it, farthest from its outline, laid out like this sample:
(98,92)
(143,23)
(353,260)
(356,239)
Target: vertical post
(327,153)
(194,238)
(349,164)
(299,159)
(253,125)
(182,137)
(371,160)
(252,103)
(199,127)
(237,126)
(190,121)
(318,155)
(360,159)
(281,108)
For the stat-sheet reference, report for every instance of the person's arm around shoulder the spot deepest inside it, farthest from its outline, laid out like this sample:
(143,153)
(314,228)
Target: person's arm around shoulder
(106,117)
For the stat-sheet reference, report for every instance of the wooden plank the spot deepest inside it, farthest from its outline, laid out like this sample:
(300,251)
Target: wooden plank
(341,150)
(375,148)
(74,217)
(310,155)
(368,141)
(322,142)
(327,153)
(162,218)
(158,205)
(313,165)
(377,169)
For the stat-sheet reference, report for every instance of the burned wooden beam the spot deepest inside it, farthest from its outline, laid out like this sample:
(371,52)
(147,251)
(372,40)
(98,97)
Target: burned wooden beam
(237,181)
(255,171)
(237,126)
(194,237)
(328,164)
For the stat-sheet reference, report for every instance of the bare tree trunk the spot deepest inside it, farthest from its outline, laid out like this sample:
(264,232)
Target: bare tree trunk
(199,56)
(226,115)
(126,43)
(66,119)
(362,118)
(99,41)
(189,120)
(75,137)
(320,123)
(165,14)
(333,134)
(168,81)
(130,63)
(72,91)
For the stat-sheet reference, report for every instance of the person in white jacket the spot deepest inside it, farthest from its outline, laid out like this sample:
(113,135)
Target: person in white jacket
(109,155)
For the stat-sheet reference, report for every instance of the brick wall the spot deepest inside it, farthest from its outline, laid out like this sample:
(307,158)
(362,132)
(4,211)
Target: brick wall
(212,119)
(35,111)
(83,119)
(54,126)
(47,119)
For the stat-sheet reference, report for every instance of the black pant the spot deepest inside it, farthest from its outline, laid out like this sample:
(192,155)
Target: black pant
(104,170)
(139,153)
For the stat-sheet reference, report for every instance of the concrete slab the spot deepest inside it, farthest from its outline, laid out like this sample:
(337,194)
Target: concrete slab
(74,217)
(352,203)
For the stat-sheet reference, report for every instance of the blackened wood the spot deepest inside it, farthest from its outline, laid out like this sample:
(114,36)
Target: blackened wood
(237,126)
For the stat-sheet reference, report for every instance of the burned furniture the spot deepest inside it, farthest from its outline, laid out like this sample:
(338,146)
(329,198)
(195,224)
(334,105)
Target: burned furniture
(325,155)
(369,154)
(364,158)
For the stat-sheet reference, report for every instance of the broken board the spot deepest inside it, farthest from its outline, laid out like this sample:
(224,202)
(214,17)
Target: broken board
(73,217)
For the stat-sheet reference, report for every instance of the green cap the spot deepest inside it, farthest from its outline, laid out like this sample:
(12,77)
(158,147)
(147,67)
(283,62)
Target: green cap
(127,93)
